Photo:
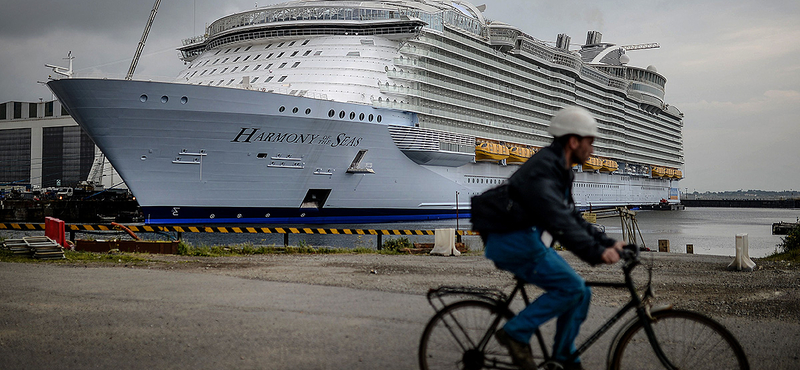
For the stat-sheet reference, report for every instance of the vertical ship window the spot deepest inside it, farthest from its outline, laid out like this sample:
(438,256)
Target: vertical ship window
(281,109)
(233,70)
(204,72)
(352,115)
(361,117)
(306,41)
(270,55)
(267,47)
(246,58)
(254,80)
(282,65)
(212,71)
(292,43)
(282,78)
(227,51)
(268,66)
(281,44)
(379,118)
(295,53)
(331,113)
(295,109)
(318,53)
(370,118)
(65,112)
(306,53)
(216,61)
(226,60)
(257,56)
(32,110)
(220,82)
(281,54)
(217,53)
(341,114)
(295,64)
(236,60)
(308,110)
(257,67)
(48,109)
(245,68)
(269,79)
(229,82)
(237,50)
(248,48)
(223,71)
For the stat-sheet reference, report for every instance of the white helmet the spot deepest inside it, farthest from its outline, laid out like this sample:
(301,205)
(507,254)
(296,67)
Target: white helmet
(573,120)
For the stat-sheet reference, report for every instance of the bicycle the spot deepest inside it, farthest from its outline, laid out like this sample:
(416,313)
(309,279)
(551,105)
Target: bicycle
(461,334)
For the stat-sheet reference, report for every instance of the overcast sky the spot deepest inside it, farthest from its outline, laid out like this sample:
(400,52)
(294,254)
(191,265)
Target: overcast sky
(732,67)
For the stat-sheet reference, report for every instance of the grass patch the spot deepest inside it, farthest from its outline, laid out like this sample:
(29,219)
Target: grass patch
(789,249)
(73,256)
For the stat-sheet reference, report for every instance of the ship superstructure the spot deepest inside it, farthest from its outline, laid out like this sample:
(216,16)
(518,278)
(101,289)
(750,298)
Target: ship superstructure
(325,111)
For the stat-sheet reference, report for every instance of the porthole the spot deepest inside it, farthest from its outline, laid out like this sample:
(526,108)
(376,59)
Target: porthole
(294,110)
(308,110)
(352,115)
(370,117)
(239,215)
(212,216)
(281,109)
(144,157)
(341,114)
(361,117)
(266,215)
(379,118)
(331,113)
(143,98)
(164,99)
(302,215)
(184,100)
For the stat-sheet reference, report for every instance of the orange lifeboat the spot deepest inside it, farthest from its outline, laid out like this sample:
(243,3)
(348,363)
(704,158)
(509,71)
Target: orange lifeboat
(592,164)
(490,151)
(519,154)
(609,165)
(658,171)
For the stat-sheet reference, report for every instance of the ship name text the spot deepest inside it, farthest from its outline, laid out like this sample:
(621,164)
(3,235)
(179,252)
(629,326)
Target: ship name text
(252,135)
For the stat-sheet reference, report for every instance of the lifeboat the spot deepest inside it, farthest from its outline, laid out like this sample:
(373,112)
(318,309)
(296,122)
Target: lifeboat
(490,151)
(678,174)
(609,165)
(592,164)
(519,154)
(669,172)
(658,171)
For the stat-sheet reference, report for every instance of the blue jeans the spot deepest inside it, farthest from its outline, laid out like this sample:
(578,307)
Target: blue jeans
(566,294)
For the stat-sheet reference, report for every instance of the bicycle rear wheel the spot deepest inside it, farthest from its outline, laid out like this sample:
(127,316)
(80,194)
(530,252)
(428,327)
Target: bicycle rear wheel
(453,337)
(688,339)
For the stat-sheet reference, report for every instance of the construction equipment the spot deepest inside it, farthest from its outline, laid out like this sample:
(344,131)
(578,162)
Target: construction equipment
(140,48)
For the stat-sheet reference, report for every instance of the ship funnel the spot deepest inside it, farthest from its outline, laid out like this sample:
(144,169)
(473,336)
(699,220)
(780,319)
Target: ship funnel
(562,42)
(594,38)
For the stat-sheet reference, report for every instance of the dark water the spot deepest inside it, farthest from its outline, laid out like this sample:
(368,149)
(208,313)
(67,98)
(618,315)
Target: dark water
(710,230)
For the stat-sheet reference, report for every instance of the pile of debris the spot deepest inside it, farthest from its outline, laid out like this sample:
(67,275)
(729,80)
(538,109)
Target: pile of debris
(39,247)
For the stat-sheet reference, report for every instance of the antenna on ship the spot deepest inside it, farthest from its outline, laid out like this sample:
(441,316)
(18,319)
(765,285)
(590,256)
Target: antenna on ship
(61,70)
(140,48)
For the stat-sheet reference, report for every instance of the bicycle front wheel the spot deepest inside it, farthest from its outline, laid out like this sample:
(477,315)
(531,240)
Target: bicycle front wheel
(688,339)
(461,336)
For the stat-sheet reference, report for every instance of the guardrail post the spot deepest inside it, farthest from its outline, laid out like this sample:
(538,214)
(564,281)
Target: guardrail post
(380,240)
(285,239)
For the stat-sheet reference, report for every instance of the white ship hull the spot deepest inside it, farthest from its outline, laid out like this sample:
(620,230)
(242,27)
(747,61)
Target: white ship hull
(199,154)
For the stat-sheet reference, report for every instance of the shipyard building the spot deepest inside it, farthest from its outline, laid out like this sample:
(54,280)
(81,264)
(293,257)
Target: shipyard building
(42,146)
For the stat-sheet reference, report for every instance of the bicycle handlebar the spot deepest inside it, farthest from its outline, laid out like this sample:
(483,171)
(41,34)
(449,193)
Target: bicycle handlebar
(629,252)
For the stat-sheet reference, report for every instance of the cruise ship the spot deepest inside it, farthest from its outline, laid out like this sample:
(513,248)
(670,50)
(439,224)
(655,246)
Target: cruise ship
(316,111)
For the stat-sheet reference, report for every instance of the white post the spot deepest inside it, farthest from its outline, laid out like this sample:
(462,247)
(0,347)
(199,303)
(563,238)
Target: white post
(742,260)
(445,242)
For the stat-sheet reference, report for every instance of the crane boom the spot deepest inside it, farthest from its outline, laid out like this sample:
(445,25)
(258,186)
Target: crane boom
(140,48)
(652,45)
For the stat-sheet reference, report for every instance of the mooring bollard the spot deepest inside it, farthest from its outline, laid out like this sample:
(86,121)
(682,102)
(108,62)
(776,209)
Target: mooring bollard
(689,248)
(742,261)
(663,245)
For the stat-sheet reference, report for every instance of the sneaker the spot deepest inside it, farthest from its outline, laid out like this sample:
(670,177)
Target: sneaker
(520,352)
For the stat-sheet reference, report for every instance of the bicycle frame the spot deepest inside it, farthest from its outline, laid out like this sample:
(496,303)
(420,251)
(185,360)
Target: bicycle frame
(503,302)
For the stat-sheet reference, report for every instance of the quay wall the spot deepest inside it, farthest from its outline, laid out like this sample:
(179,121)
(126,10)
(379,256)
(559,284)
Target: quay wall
(742,203)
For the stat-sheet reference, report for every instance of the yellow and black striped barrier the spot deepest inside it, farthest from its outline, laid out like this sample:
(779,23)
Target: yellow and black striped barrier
(73,228)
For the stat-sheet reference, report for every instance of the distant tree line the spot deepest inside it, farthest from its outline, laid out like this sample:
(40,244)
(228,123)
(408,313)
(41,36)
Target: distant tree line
(745,194)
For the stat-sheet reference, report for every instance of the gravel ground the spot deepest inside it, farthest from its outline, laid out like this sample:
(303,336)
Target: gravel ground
(696,282)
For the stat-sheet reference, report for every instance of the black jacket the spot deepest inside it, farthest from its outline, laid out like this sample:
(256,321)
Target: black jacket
(540,194)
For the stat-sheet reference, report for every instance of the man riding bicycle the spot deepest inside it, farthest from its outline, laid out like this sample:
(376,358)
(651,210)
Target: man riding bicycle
(513,219)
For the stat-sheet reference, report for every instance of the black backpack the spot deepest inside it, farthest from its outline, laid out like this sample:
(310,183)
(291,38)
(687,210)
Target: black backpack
(495,211)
